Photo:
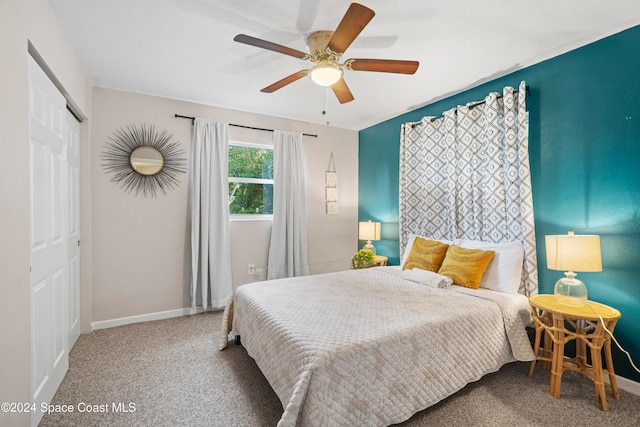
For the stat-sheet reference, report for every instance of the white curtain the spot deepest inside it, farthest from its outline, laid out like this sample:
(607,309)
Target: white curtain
(288,255)
(466,175)
(209,209)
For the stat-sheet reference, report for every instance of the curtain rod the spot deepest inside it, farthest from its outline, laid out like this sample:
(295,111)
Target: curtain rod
(471,107)
(239,126)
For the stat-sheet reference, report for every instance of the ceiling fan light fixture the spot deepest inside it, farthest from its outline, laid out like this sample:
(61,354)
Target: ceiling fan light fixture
(325,74)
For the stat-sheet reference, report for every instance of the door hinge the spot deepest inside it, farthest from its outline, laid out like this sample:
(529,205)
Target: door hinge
(78,243)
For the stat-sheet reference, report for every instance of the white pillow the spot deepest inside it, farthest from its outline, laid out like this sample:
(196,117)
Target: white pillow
(505,269)
(412,237)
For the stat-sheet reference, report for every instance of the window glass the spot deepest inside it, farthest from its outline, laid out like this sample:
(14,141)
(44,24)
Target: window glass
(250,199)
(250,179)
(250,161)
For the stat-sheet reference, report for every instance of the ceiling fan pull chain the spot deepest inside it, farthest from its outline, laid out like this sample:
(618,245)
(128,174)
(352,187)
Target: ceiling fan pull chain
(325,100)
(326,103)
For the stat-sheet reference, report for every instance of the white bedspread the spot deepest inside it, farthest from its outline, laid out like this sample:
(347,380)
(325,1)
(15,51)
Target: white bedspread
(367,347)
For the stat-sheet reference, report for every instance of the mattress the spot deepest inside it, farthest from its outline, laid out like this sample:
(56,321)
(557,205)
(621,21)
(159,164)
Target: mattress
(369,348)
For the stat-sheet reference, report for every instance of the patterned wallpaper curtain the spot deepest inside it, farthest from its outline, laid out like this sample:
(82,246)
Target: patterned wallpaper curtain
(466,175)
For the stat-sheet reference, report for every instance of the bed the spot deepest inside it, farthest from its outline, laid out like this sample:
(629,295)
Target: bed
(369,347)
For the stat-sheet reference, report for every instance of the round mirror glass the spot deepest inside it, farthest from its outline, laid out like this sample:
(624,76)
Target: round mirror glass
(146,160)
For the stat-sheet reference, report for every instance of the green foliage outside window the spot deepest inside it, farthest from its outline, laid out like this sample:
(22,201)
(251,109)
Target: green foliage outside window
(250,180)
(250,199)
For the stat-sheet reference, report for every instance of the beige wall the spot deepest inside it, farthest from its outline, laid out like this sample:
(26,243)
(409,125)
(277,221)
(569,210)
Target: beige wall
(141,245)
(24,21)
(133,252)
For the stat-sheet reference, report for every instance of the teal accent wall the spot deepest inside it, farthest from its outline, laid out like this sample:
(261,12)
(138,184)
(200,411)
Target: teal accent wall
(584,146)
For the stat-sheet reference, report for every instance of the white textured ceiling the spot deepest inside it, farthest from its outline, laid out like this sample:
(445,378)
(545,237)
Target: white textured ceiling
(184,49)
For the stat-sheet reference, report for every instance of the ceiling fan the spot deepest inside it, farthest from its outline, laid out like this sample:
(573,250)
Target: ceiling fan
(326,48)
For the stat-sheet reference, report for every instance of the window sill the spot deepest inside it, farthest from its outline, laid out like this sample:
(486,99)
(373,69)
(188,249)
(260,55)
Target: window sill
(248,217)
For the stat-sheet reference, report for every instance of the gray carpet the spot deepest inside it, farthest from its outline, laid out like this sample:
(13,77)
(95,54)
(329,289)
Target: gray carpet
(169,373)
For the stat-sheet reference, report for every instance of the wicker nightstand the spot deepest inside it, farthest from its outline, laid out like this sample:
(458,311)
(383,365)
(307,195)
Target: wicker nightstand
(584,324)
(380,260)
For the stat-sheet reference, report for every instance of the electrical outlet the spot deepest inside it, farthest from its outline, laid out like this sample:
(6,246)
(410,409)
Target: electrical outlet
(251,269)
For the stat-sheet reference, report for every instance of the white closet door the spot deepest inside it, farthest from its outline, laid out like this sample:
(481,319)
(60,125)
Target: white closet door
(73,228)
(49,270)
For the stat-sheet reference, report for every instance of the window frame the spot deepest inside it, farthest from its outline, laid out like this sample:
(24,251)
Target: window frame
(250,217)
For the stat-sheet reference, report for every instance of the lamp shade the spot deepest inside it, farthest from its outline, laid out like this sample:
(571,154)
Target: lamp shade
(573,253)
(369,230)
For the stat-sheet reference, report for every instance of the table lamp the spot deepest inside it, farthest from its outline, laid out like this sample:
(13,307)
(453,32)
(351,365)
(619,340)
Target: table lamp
(571,253)
(369,231)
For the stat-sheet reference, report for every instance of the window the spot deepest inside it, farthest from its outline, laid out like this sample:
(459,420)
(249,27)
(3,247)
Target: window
(250,179)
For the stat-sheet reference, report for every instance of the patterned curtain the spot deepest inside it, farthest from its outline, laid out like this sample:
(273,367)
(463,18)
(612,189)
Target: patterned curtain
(466,175)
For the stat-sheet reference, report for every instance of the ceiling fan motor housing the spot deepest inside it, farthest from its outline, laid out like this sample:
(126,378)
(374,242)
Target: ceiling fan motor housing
(317,42)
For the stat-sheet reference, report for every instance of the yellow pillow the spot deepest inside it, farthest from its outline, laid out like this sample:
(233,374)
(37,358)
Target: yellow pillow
(466,266)
(425,255)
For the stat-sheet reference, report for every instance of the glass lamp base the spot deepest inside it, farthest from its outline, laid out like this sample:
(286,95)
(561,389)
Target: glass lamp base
(571,291)
(369,247)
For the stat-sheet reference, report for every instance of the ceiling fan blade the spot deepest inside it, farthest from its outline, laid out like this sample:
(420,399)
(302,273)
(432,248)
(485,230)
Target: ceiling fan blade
(252,41)
(287,80)
(307,12)
(353,22)
(342,91)
(382,65)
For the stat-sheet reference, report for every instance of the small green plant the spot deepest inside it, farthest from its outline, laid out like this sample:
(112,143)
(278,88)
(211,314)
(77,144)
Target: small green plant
(362,259)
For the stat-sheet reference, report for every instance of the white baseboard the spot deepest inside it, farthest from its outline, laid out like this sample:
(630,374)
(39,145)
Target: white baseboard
(625,384)
(104,324)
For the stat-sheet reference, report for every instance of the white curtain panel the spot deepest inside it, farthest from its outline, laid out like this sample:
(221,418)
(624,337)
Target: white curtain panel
(211,284)
(288,253)
(466,175)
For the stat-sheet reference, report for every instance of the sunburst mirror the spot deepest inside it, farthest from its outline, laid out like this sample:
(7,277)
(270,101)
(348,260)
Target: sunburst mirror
(142,160)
